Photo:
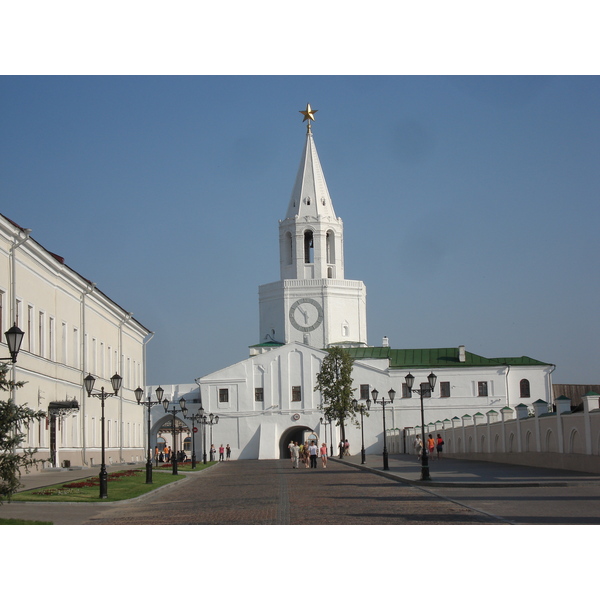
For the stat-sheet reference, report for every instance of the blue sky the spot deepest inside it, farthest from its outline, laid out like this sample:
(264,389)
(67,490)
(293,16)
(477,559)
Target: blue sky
(470,204)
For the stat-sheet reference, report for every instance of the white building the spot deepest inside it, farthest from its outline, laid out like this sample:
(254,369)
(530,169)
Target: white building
(71,329)
(268,400)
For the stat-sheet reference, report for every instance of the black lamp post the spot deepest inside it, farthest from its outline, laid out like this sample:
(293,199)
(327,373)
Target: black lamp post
(14,338)
(183,410)
(209,421)
(325,422)
(423,389)
(89,382)
(383,402)
(361,408)
(197,417)
(149,403)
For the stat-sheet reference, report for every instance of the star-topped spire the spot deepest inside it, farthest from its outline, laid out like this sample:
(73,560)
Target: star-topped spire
(309,115)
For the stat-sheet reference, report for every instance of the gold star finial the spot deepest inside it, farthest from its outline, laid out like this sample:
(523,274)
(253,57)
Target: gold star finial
(309,115)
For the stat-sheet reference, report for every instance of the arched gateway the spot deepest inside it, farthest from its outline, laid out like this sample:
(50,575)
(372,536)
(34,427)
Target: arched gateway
(298,434)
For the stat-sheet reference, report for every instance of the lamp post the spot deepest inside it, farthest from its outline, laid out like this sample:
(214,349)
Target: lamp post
(423,389)
(197,417)
(149,403)
(14,337)
(383,402)
(361,408)
(209,421)
(174,411)
(89,382)
(325,422)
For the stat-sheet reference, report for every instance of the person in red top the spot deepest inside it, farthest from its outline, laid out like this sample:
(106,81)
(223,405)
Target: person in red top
(430,445)
(439,443)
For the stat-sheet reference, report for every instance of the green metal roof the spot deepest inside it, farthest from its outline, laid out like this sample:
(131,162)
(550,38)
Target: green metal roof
(426,358)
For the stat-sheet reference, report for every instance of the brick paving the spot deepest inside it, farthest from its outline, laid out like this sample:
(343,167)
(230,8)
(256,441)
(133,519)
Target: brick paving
(270,492)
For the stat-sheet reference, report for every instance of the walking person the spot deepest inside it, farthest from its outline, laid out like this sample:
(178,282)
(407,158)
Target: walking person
(430,445)
(212,452)
(295,456)
(418,444)
(346,448)
(313,450)
(323,452)
(228,452)
(290,448)
(439,443)
(221,453)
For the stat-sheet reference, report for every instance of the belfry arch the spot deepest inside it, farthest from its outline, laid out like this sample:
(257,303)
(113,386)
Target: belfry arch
(298,433)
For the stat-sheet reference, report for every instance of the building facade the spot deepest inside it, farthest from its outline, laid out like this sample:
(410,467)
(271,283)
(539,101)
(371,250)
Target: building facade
(71,329)
(268,400)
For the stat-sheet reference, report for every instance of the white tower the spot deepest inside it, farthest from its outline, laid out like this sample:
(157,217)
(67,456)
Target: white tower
(312,303)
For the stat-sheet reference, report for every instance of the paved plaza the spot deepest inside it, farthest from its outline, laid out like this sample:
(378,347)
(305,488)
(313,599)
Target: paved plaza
(270,492)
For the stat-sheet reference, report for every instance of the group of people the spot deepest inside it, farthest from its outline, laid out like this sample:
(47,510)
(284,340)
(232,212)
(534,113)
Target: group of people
(224,452)
(344,447)
(307,454)
(166,455)
(432,446)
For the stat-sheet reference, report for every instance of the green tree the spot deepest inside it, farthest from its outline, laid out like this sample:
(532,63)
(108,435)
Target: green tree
(13,419)
(334,381)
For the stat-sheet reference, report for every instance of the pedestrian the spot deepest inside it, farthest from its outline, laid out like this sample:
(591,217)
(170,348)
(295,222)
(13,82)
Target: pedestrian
(290,448)
(212,452)
(228,452)
(430,445)
(324,455)
(156,455)
(221,453)
(439,443)
(314,452)
(346,448)
(341,447)
(295,456)
(161,457)
(306,456)
(418,444)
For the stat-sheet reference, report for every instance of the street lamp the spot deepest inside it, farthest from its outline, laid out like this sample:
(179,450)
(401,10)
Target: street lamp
(361,408)
(183,410)
(14,337)
(325,422)
(149,403)
(383,402)
(89,382)
(423,389)
(209,420)
(197,417)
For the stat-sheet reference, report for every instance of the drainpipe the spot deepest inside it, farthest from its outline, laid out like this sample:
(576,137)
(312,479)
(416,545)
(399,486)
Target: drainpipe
(507,389)
(89,289)
(122,363)
(13,296)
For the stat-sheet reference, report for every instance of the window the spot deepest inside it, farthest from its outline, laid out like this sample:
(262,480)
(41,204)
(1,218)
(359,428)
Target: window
(364,391)
(444,389)
(482,388)
(405,391)
(296,393)
(41,333)
(259,394)
(524,386)
(308,247)
(223,395)
(426,389)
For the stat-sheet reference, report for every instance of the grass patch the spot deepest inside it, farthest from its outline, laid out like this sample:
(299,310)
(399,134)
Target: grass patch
(23,522)
(122,485)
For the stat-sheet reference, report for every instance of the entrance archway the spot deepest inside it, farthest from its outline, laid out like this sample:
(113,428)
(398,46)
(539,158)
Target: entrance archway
(298,434)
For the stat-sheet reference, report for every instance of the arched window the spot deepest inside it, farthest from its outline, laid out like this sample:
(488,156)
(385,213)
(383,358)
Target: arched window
(524,386)
(308,246)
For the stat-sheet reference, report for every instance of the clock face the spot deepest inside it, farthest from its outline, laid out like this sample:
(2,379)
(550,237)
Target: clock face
(306,314)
